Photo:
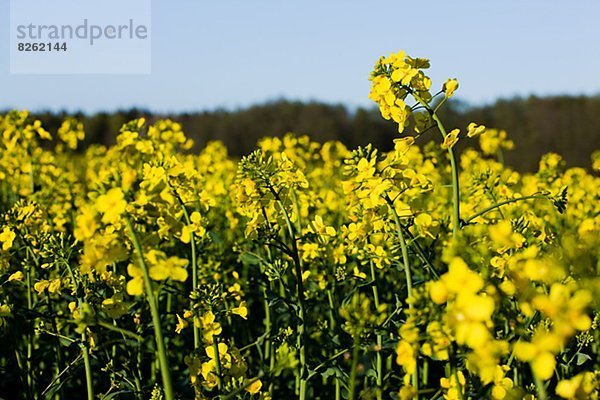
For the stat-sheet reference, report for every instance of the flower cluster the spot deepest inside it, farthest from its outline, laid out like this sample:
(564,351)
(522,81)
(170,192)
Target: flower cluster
(303,270)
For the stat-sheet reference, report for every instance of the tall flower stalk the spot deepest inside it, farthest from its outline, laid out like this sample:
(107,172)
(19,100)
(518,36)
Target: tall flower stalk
(158,334)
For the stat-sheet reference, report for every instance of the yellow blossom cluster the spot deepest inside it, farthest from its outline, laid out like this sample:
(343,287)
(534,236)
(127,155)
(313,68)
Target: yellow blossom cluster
(304,270)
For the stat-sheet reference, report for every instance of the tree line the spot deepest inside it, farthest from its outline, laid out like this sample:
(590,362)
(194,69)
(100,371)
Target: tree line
(567,125)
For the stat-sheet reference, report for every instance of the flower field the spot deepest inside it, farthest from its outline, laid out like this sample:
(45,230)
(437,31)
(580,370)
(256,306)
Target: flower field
(304,270)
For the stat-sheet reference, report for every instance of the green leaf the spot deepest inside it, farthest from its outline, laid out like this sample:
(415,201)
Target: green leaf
(247,258)
(582,358)
(328,372)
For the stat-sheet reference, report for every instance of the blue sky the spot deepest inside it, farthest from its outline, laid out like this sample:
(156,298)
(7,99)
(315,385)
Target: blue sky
(209,54)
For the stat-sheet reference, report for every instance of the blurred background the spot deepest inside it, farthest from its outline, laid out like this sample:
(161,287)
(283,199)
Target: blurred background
(238,70)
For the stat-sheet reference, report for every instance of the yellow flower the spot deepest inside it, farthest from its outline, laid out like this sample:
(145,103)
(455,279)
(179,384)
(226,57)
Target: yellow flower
(451,139)
(452,384)
(460,278)
(403,145)
(5,311)
(322,229)
(504,237)
(224,356)
(310,251)
(580,387)
(493,140)
(210,327)
(85,224)
(54,286)
(194,227)
(306,275)
(474,130)
(438,292)
(71,131)
(406,356)
(425,224)
(385,93)
(408,392)
(438,342)
(476,307)
(524,351)
(181,324)
(7,237)
(450,87)
(358,274)
(241,310)
(41,286)
(404,75)
(111,205)
(17,276)
(254,387)
(135,287)
(543,365)
(161,268)
(502,384)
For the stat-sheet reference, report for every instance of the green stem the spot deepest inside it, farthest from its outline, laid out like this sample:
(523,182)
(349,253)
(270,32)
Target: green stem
(300,295)
(421,253)
(378,358)
(188,221)
(355,354)
(137,383)
(63,372)
(88,367)
(503,203)
(59,361)
(453,164)
(500,156)
(217,363)
(30,338)
(404,249)
(527,324)
(541,388)
(85,352)
(160,344)
(459,386)
(20,364)
(237,391)
(425,372)
(332,324)
(267,323)
(138,366)
(455,193)
(122,331)
(324,363)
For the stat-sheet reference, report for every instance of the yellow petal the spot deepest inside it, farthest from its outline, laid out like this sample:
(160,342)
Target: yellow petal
(41,286)
(254,387)
(159,272)
(525,351)
(17,276)
(543,365)
(135,287)
(179,274)
(242,311)
(186,234)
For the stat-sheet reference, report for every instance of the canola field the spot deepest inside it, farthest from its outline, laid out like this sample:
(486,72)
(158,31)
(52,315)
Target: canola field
(304,270)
